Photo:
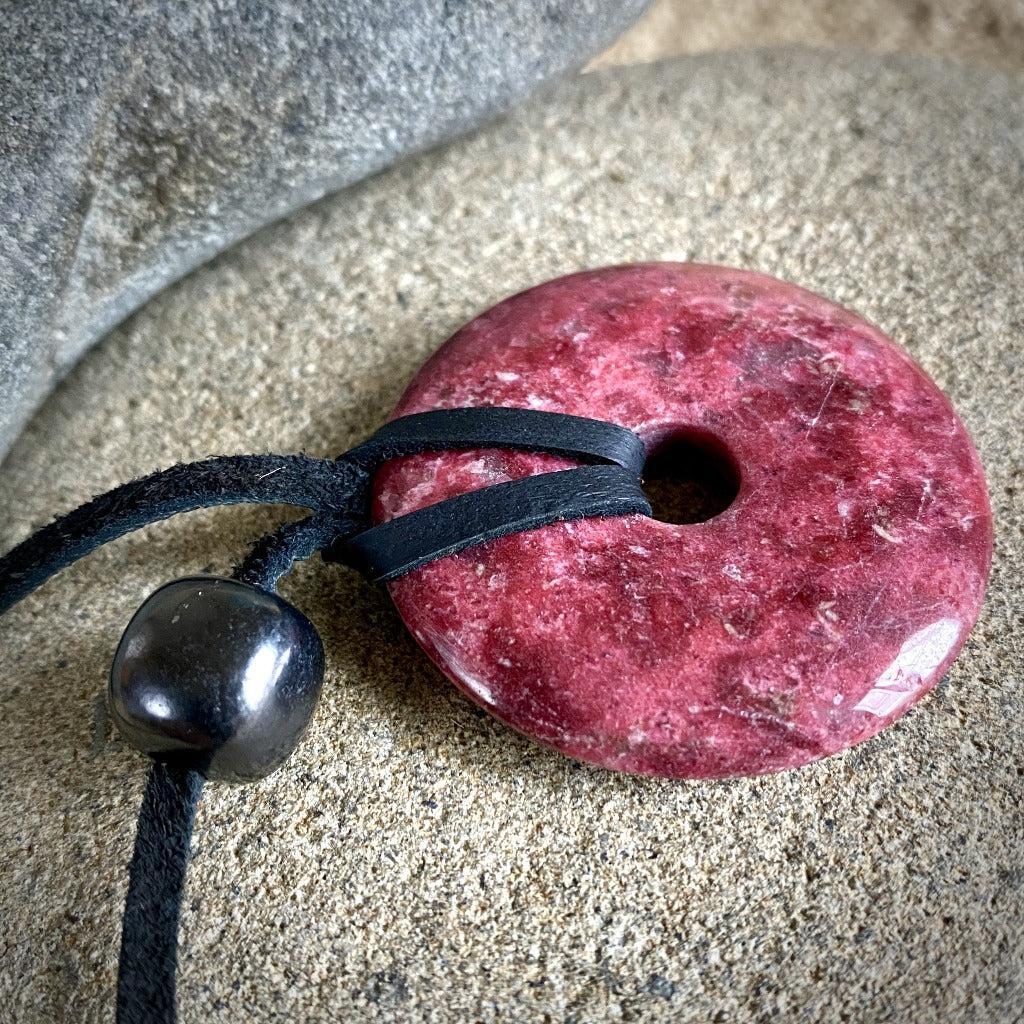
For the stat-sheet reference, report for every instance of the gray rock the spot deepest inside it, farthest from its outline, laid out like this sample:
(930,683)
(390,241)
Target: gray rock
(134,146)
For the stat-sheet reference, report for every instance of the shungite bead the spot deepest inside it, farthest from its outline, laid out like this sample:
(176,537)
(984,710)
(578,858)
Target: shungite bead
(217,675)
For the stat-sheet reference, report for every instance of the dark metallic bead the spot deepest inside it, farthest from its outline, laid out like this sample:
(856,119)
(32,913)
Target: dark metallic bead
(217,675)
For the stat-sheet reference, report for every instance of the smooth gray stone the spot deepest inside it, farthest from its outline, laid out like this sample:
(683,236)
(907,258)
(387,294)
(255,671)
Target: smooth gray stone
(137,142)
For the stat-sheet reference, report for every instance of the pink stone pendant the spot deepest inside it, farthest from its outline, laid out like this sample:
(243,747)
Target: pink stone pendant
(830,594)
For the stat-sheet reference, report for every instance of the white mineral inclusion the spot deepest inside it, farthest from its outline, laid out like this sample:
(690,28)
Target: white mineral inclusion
(917,661)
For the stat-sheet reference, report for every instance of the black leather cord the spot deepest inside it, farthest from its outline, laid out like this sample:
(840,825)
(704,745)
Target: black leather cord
(274,555)
(328,485)
(553,433)
(396,547)
(340,488)
(337,492)
(156,879)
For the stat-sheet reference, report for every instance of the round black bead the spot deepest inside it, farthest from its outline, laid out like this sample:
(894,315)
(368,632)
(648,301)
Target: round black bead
(217,675)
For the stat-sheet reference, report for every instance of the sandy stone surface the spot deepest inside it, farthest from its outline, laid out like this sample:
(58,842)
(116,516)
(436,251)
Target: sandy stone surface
(417,861)
(987,32)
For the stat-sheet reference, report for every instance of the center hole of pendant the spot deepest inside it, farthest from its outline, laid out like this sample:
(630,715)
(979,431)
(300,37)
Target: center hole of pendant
(690,477)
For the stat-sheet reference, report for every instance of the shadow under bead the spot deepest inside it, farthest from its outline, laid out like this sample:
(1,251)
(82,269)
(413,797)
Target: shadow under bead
(216,675)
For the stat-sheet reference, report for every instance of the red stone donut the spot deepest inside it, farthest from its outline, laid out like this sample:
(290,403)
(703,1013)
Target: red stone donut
(831,594)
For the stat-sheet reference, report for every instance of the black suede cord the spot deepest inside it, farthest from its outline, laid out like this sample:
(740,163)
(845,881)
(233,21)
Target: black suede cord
(400,545)
(156,879)
(552,433)
(274,555)
(392,549)
(339,489)
(327,485)
(337,493)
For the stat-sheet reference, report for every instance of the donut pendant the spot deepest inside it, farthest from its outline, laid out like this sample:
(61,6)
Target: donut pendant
(813,611)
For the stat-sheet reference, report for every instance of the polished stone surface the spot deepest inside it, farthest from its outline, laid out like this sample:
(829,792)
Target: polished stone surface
(829,596)
(218,675)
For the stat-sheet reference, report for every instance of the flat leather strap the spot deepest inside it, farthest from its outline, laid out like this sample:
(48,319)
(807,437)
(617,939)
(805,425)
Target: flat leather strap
(396,547)
(532,430)
(338,493)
